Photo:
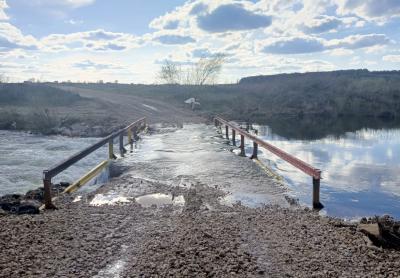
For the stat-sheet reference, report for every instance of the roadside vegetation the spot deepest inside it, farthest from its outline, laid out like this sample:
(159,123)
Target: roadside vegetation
(31,107)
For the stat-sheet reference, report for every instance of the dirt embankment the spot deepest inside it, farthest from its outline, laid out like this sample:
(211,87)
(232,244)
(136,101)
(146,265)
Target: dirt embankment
(96,114)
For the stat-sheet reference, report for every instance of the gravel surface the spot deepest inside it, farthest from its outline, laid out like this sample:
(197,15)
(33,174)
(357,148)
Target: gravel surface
(200,239)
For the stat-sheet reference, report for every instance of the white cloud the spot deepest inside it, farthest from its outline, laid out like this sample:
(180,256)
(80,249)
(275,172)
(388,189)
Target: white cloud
(91,65)
(369,9)
(3,6)
(341,52)
(232,17)
(174,39)
(294,45)
(74,22)
(360,41)
(391,58)
(66,3)
(321,24)
(12,38)
(96,40)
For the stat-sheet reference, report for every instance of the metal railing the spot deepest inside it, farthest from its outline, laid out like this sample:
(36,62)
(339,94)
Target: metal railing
(131,131)
(299,164)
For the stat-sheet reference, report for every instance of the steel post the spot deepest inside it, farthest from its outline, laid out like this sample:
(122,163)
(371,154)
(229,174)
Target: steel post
(316,189)
(227,132)
(121,145)
(233,137)
(255,151)
(48,204)
(242,151)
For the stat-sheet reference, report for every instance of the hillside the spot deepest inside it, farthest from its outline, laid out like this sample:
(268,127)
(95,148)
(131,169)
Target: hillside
(353,93)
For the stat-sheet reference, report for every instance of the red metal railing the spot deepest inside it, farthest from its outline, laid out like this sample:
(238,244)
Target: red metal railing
(299,164)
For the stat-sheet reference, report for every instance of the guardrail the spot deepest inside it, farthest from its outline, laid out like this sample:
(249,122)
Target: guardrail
(131,130)
(299,164)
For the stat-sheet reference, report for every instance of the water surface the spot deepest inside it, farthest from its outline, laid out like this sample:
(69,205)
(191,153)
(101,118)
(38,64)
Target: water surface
(24,156)
(360,170)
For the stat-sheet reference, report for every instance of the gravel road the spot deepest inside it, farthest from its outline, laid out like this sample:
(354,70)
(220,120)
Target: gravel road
(194,240)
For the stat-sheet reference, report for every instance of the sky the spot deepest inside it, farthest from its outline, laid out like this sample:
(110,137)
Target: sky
(128,40)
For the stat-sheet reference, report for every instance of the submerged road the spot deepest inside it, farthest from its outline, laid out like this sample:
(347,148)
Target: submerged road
(185,206)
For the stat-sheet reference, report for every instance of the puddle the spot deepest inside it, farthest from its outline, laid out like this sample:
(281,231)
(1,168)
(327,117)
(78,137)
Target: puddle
(77,199)
(228,201)
(160,200)
(112,199)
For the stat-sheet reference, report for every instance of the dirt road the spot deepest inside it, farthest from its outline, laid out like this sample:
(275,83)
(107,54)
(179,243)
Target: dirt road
(126,107)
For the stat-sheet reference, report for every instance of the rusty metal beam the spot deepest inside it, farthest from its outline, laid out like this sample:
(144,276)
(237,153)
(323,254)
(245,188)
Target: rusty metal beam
(301,165)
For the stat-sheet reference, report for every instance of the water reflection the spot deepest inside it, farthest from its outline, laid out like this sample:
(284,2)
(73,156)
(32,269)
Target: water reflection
(313,128)
(360,170)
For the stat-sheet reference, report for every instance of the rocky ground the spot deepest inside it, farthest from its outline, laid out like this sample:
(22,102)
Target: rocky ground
(200,239)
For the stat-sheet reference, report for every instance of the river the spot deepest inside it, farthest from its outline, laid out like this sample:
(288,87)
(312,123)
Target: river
(360,168)
(24,156)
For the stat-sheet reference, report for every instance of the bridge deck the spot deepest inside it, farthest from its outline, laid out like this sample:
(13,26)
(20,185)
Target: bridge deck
(201,233)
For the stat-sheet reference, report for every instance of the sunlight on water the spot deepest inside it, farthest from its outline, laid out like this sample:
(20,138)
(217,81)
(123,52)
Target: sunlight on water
(360,170)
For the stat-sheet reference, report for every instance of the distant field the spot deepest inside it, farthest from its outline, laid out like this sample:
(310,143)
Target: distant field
(308,100)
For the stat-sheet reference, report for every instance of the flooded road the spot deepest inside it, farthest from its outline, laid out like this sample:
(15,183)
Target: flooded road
(360,169)
(192,155)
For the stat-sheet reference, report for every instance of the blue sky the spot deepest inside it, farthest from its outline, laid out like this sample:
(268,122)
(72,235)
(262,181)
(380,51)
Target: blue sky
(127,40)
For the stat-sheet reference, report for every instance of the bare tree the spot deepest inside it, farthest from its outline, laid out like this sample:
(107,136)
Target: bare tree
(205,71)
(170,73)
(3,78)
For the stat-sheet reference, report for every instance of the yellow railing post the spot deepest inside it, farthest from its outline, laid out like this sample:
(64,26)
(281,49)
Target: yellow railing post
(111,154)
(130,140)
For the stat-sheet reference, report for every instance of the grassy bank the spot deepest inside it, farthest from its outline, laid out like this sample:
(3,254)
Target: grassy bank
(34,107)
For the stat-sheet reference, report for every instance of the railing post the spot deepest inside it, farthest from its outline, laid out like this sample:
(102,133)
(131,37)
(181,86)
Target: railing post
(227,132)
(111,154)
(48,204)
(130,140)
(316,188)
(121,144)
(242,152)
(255,151)
(233,137)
